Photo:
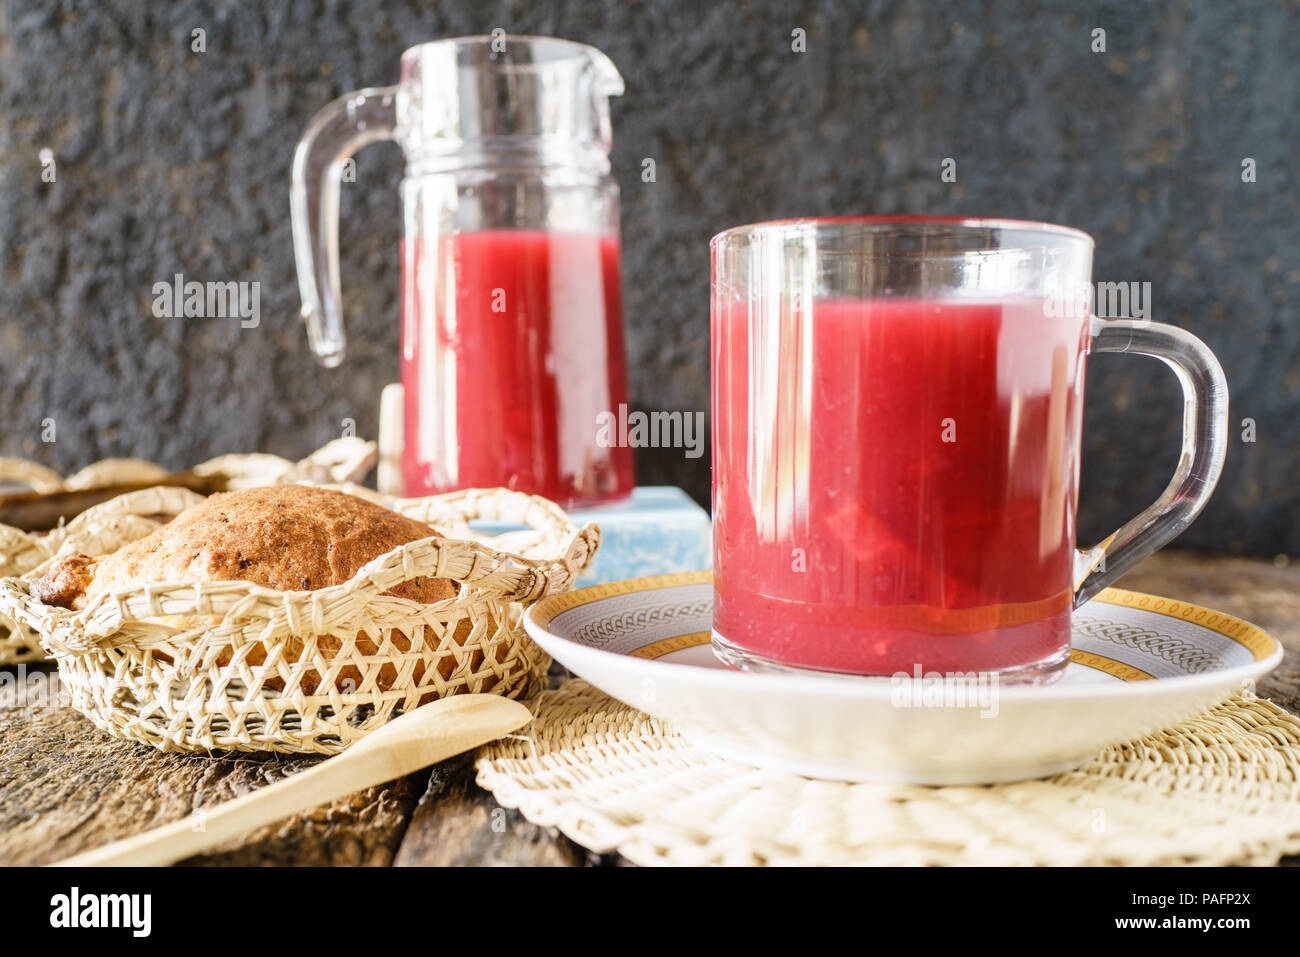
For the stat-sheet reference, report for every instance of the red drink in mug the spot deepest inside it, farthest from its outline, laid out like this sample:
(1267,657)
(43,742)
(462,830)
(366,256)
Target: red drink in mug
(897,408)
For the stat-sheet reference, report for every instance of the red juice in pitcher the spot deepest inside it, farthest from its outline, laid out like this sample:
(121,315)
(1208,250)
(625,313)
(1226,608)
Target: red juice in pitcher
(512,342)
(512,346)
(895,482)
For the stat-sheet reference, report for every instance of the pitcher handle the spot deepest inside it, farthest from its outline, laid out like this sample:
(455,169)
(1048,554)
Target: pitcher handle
(1205,440)
(332,137)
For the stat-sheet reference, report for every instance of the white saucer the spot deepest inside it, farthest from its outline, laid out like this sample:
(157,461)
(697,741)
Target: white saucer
(1139,664)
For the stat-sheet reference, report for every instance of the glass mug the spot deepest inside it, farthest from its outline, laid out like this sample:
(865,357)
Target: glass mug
(512,323)
(897,409)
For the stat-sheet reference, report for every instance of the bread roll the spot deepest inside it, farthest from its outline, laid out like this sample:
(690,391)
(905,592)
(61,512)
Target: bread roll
(286,537)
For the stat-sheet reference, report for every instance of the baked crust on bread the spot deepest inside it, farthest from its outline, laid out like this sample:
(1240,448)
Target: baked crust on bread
(286,537)
(66,582)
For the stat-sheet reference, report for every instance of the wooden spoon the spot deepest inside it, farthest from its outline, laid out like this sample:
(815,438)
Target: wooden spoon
(417,739)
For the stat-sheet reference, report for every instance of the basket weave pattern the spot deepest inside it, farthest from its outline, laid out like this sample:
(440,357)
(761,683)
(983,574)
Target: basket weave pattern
(340,462)
(19,553)
(189,666)
(96,531)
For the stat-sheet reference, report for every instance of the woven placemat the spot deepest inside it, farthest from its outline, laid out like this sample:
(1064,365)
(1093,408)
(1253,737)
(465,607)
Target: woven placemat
(1221,788)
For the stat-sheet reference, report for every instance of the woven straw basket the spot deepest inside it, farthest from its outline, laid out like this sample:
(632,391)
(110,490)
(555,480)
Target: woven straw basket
(19,553)
(98,530)
(249,674)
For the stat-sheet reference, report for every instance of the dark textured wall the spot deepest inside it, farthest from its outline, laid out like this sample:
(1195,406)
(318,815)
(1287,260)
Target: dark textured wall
(172,161)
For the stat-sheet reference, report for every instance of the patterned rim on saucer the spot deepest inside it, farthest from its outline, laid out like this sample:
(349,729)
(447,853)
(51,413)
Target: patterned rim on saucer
(1110,644)
(646,643)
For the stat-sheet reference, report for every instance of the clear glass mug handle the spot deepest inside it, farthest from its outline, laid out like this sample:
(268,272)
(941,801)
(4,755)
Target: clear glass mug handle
(1205,440)
(332,137)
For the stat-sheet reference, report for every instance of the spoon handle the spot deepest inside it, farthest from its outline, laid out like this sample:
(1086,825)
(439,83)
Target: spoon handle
(425,736)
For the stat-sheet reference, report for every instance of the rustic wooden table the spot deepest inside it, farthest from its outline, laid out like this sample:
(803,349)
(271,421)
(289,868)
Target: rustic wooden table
(66,787)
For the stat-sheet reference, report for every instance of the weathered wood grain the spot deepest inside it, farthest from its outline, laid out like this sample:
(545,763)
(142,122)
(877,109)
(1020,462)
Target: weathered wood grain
(458,823)
(67,787)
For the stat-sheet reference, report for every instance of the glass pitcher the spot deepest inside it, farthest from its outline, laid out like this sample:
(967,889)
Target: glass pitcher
(512,334)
